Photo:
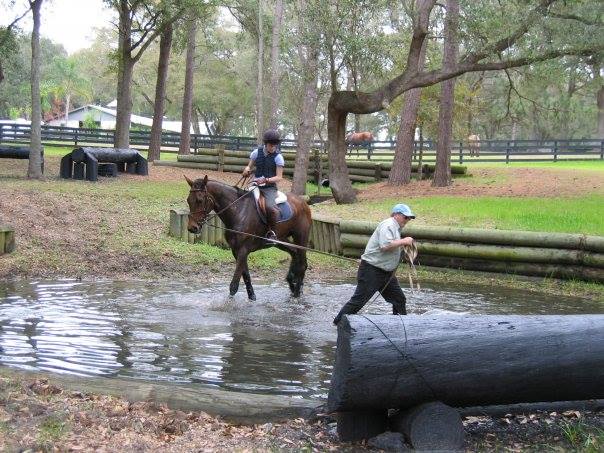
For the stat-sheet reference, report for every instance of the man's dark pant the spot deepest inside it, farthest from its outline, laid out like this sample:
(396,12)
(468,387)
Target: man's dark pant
(369,280)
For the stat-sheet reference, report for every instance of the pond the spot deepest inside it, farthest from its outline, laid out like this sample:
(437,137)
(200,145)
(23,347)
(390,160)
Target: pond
(190,333)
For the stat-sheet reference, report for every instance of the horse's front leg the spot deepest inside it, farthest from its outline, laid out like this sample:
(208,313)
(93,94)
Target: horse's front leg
(241,269)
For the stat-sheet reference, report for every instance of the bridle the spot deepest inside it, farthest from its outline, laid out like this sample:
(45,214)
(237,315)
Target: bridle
(207,204)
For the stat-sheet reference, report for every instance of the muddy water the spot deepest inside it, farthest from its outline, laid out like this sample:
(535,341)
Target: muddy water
(191,333)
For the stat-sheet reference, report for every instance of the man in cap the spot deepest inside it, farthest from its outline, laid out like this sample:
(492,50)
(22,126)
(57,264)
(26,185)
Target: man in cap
(377,271)
(269,165)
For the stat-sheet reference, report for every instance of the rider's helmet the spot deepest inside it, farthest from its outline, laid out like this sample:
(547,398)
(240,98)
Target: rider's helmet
(271,136)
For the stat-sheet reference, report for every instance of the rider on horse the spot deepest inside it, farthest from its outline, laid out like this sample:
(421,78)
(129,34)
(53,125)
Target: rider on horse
(269,171)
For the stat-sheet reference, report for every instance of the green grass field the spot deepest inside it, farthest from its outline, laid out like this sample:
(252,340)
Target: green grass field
(566,215)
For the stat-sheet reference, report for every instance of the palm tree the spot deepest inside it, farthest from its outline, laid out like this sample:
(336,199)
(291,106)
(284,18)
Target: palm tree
(69,82)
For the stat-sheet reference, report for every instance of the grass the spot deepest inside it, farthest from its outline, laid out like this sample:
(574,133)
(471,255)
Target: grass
(565,215)
(584,438)
(50,430)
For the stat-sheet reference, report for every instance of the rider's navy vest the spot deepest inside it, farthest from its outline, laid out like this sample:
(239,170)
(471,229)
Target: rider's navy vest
(265,165)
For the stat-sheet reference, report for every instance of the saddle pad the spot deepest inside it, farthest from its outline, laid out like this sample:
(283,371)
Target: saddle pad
(285,210)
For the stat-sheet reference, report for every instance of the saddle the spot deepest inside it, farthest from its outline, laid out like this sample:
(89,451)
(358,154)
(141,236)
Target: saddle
(283,206)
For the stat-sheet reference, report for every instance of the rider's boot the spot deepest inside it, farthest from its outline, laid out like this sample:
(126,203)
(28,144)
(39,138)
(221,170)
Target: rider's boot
(271,217)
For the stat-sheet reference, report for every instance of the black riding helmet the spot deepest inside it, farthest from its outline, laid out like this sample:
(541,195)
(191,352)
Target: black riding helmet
(271,136)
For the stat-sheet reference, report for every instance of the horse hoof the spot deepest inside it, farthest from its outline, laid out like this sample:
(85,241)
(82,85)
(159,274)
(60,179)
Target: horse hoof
(252,297)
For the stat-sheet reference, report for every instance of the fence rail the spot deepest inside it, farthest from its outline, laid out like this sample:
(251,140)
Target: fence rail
(461,151)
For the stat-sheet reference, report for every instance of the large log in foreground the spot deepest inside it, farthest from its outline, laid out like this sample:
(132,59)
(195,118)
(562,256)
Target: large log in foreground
(387,361)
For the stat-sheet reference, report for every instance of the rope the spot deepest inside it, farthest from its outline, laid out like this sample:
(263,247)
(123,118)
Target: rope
(286,244)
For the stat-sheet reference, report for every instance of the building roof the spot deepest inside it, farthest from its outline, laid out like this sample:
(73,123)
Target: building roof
(167,125)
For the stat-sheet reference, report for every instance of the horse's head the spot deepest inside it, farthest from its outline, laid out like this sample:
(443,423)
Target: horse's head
(200,203)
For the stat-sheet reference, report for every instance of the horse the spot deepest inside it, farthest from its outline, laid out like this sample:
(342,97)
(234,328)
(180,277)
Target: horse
(359,138)
(474,145)
(236,208)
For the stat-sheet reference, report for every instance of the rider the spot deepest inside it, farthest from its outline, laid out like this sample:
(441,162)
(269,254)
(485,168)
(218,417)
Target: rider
(269,171)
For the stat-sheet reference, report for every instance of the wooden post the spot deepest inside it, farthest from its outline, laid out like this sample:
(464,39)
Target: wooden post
(220,149)
(318,169)
(175,222)
(555,150)
(507,153)
(378,171)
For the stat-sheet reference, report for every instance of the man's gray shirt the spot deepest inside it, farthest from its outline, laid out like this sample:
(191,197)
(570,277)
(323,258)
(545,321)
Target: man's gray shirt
(386,232)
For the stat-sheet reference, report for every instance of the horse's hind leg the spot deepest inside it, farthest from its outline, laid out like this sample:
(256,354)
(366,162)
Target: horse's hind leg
(248,283)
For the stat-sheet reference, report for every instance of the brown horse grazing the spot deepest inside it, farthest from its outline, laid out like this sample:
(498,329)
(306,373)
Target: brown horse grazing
(359,138)
(241,216)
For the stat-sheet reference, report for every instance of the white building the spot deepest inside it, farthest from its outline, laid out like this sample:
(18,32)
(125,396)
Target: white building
(104,117)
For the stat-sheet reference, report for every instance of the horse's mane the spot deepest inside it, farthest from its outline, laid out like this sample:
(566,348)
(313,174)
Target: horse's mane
(238,190)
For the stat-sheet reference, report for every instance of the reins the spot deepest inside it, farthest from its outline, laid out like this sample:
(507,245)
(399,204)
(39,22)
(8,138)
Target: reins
(409,252)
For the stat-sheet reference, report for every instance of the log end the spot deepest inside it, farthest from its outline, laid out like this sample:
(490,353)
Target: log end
(430,426)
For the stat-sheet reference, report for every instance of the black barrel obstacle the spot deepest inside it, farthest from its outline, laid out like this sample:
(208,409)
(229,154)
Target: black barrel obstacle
(19,152)
(84,163)
(427,366)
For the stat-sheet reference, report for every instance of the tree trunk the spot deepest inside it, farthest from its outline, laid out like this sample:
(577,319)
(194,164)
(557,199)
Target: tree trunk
(599,99)
(124,78)
(339,179)
(275,73)
(195,122)
(401,165)
(309,58)
(67,103)
(442,174)
(187,101)
(260,80)
(165,44)
(385,361)
(34,169)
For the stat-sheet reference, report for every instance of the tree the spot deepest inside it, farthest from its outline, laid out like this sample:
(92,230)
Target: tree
(187,101)
(8,42)
(140,23)
(69,81)
(478,58)
(442,172)
(165,44)
(275,73)
(405,138)
(260,79)
(309,59)
(34,169)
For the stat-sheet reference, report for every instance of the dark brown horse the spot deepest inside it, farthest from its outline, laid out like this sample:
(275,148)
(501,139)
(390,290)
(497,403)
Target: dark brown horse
(241,216)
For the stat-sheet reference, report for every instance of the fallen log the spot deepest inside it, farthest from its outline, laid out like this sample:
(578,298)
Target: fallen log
(483,236)
(385,362)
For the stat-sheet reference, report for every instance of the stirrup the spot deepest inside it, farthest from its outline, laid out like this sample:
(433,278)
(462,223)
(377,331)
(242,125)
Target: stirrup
(271,235)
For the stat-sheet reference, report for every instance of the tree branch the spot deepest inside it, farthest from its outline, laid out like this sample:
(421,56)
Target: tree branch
(158,32)
(577,18)
(506,42)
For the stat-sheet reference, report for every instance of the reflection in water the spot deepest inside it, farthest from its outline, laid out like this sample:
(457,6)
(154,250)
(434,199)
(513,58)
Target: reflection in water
(177,332)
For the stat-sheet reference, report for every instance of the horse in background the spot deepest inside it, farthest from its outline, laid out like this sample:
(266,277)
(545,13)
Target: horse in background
(238,212)
(474,145)
(359,138)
